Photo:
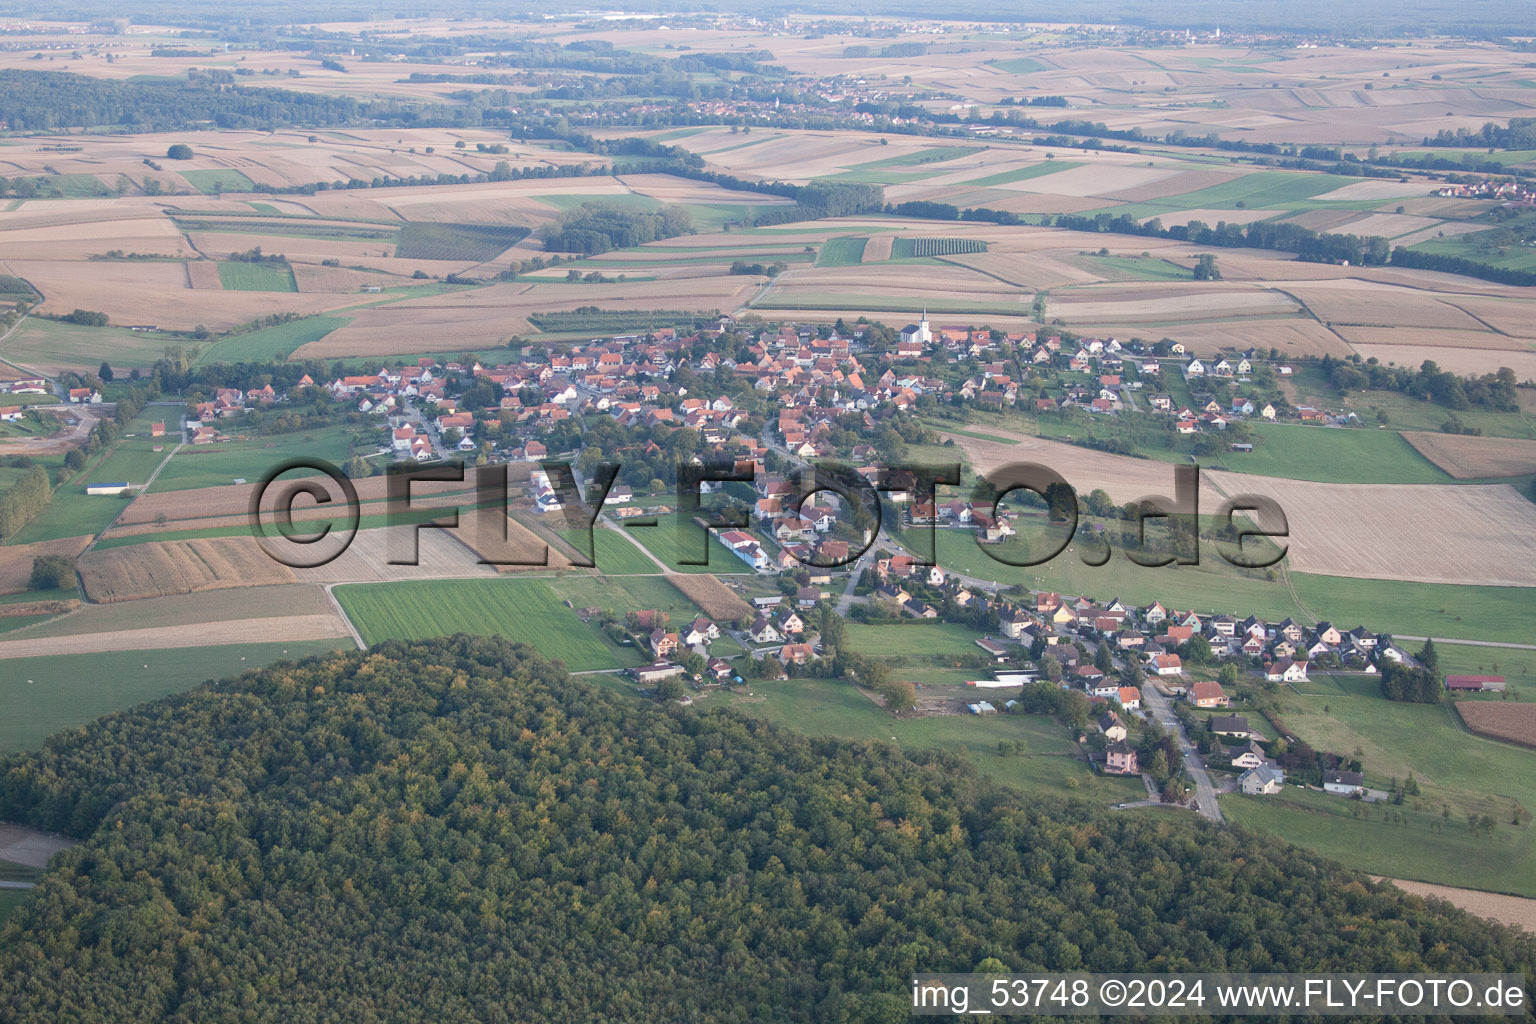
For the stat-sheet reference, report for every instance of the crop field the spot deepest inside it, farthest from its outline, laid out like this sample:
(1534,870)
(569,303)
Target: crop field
(425,240)
(213,182)
(714,598)
(1471,458)
(1508,721)
(522,610)
(46,695)
(178,567)
(16,560)
(841,252)
(1428,533)
(256,277)
(920,248)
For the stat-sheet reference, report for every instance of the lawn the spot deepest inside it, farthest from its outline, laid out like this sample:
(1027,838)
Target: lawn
(915,639)
(1345,455)
(1018,65)
(1426,847)
(614,554)
(904,167)
(621,595)
(256,277)
(662,540)
(73,513)
(218,464)
(45,695)
(524,610)
(216,180)
(49,343)
(821,707)
(270,343)
(1516,666)
(841,252)
(1261,190)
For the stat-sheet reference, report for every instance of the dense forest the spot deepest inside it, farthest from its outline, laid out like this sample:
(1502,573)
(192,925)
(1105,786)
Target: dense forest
(46,101)
(456,830)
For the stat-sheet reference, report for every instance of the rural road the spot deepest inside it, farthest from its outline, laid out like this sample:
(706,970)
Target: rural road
(1467,643)
(18,885)
(1205,793)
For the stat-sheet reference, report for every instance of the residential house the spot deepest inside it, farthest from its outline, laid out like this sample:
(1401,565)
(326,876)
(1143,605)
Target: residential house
(1120,759)
(1344,783)
(1208,694)
(1261,780)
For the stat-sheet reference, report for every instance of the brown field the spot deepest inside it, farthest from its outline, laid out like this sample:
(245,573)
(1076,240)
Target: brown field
(1428,533)
(335,280)
(1516,911)
(1515,316)
(480,537)
(178,567)
(153,638)
(203,275)
(1470,458)
(1125,478)
(24,608)
(1294,337)
(1160,304)
(1457,360)
(16,560)
(1486,342)
(1509,721)
(1370,304)
(878,248)
(714,598)
(441,554)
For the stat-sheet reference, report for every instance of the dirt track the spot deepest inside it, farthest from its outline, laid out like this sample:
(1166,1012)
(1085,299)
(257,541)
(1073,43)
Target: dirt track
(81,419)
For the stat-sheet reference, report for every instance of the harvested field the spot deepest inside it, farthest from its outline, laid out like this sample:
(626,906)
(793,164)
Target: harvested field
(1170,182)
(1512,315)
(1368,190)
(310,278)
(204,275)
(1470,458)
(1457,360)
(1125,478)
(1428,337)
(16,560)
(714,598)
(1516,911)
(1128,304)
(1292,337)
(441,553)
(1505,720)
(210,606)
(878,248)
(1371,304)
(292,628)
(178,567)
(1429,533)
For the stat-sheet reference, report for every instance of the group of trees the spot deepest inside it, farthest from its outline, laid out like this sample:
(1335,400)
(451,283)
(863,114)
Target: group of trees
(1495,391)
(598,227)
(423,831)
(23,500)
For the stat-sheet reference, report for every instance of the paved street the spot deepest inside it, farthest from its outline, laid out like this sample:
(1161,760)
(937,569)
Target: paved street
(1205,793)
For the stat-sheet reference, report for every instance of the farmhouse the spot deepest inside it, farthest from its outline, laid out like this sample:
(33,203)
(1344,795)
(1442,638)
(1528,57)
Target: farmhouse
(655,672)
(1475,684)
(10,413)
